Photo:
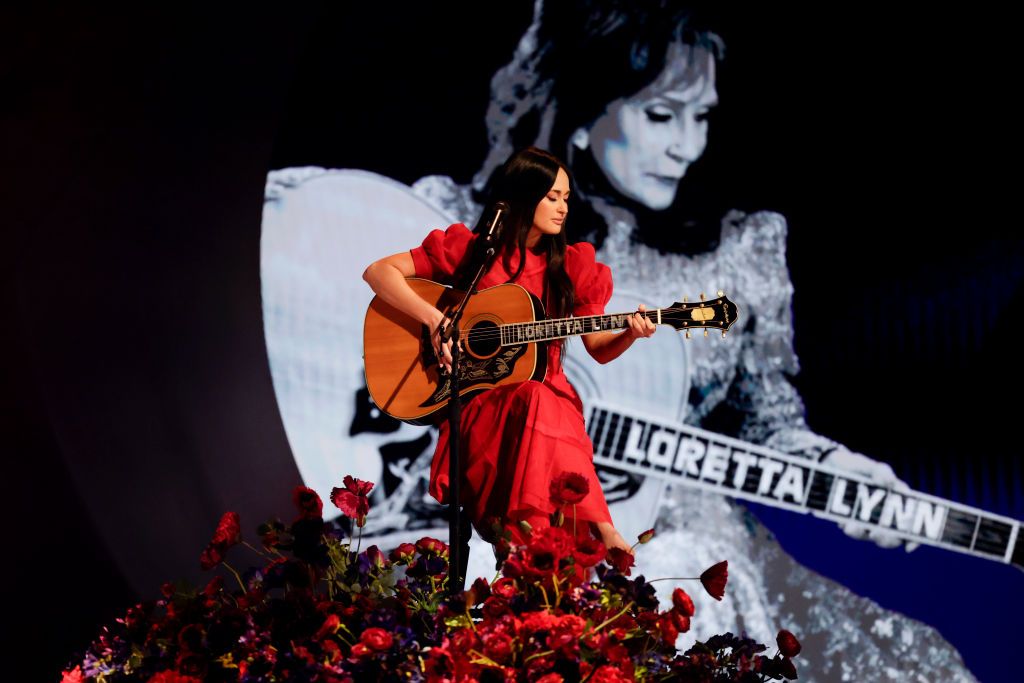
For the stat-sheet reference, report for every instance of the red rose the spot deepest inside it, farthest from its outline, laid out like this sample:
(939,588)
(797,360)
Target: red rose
(620,559)
(375,556)
(789,646)
(682,602)
(714,579)
(308,502)
(376,639)
(569,488)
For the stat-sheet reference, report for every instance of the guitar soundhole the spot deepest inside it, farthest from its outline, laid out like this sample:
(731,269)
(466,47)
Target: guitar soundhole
(484,339)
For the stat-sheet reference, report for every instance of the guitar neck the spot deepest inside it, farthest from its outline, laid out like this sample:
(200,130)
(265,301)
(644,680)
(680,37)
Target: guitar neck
(691,456)
(560,328)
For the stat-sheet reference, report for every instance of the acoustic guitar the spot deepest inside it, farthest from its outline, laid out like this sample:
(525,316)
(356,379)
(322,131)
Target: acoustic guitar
(503,332)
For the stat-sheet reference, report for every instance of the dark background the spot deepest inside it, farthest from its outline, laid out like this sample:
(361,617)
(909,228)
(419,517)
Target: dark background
(137,402)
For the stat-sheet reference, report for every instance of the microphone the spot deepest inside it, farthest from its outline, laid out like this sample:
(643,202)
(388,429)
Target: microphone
(494,230)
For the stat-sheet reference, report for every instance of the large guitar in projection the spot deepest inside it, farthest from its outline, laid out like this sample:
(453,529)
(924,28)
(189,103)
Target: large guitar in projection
(322,227)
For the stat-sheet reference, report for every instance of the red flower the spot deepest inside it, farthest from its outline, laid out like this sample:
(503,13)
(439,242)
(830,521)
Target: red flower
(646,536)
(497,646)
(360,651)
(787,669)
(229,530)
(682,602)
(609,674)
(228,533)
(357,486)
(211,557)
(589,551)
(308,502)
(403,553)
(376,639)
(565,631)
(569,488)
(620,559)
(789,646)
(170,676)
(351,504)
(75,676)
(432,546)
(551,678)
(330,627)
(504,588)
(714,579)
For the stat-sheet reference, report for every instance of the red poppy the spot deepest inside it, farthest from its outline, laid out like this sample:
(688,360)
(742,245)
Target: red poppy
(308,502)
(714,579)
(504,588)
(566,630)
(620,559)
(229,530)
(789,646)
(682,602)
(211,557)
(569,488)
(357,486)
(609,674)
(589,551)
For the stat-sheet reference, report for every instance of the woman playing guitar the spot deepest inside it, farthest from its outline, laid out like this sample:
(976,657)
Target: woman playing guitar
(519,437)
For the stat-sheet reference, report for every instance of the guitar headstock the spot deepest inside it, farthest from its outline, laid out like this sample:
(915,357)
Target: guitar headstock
(718,314)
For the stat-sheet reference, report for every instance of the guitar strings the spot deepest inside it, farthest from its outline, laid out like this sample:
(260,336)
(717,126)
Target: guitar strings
(491,333)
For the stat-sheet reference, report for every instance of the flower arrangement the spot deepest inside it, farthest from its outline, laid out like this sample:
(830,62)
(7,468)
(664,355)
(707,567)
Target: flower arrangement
(563,608)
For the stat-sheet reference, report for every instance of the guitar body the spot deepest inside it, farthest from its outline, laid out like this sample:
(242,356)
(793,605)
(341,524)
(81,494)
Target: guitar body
(402,374)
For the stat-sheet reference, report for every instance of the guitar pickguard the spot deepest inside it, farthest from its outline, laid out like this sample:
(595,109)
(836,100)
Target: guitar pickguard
(478,372)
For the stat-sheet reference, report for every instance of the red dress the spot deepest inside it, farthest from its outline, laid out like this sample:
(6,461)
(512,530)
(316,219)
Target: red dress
(517,438)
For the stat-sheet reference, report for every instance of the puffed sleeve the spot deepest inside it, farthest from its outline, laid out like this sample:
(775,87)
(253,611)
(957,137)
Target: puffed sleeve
(591,279)
(443,253)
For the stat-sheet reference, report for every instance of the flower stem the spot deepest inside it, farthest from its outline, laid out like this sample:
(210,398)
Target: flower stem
(238,577)
(612,619)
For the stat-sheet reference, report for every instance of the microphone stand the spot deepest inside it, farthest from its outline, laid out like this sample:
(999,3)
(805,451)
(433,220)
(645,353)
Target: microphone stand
(459,528)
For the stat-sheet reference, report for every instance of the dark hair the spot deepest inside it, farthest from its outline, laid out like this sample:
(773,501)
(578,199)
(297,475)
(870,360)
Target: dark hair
(522,182)
(539,98)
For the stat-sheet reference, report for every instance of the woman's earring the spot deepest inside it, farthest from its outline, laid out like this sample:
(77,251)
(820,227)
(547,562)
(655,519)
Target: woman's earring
(580,139)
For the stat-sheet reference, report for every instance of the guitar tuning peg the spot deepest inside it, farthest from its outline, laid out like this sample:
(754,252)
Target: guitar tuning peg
(687,334)
(702,297)
(685,300)
(723,334)
(705,332)
(721,293)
